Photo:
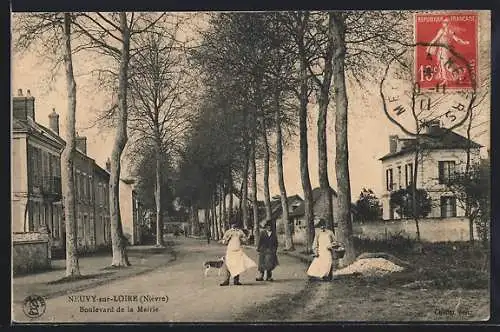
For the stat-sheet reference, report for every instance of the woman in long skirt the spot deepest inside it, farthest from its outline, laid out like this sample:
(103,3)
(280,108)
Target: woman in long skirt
(322,264)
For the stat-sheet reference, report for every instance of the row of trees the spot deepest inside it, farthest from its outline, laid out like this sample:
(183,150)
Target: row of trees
(263,72)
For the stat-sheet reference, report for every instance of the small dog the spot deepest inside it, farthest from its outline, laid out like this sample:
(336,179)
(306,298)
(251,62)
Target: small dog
(214,264)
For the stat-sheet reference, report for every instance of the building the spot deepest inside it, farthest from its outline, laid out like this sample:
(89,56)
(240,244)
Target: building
(443,152)
(36,179)
(37,202)
(131,211)
(92,200)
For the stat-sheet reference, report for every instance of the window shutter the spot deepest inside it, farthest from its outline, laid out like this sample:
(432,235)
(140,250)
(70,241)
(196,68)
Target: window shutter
(443,207)
(441,172)
(453,203)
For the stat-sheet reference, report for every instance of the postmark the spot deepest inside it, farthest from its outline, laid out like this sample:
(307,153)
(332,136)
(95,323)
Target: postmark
(34,306)
(446,55)
(440,87)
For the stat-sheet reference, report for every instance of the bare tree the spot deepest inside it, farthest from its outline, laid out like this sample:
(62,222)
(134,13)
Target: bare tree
(111,34)
(51,30)
(158,103)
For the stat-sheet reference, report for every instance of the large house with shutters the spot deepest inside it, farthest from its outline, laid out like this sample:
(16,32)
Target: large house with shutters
(37,202)
(442,153)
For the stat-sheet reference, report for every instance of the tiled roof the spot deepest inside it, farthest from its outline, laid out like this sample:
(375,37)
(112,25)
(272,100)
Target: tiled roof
(36,129)
(441,139)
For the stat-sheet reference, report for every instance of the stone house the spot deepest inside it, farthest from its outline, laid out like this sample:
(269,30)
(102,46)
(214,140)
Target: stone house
(36,206)
(444,152)
(131,211)
(37,202)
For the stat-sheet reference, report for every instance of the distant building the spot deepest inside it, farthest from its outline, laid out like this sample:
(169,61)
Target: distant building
(92,200)
(443,153)
(131,211)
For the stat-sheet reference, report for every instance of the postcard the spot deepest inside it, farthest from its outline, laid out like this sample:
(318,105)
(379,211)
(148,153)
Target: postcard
(255,167)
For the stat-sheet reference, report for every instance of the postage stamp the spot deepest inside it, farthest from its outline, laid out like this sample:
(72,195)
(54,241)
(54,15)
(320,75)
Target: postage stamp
(446,52)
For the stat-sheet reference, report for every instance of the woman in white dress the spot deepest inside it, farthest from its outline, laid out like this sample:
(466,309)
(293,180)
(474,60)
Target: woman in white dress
(324,242)
(236,260)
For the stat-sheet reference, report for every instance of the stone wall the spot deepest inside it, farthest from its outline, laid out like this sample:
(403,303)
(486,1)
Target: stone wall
(30,252)
(431,229)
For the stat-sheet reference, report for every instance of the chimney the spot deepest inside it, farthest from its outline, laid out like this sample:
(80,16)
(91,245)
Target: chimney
(81,143)
(54,121)
(432,127)
(393,143)
(23,107)
(108,165)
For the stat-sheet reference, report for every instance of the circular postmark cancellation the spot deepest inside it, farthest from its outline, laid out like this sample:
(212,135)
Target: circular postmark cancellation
(34,306)
(440,86)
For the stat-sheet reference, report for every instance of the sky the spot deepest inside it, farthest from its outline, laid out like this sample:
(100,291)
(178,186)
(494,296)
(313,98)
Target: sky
(368,127)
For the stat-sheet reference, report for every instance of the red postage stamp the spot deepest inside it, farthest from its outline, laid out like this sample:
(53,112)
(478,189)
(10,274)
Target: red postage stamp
(446,51)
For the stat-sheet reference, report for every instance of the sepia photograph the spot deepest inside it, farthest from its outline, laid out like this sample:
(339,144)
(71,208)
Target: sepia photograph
(250,166)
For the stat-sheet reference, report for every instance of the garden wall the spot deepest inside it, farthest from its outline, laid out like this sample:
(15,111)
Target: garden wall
(431,229)
(30,252)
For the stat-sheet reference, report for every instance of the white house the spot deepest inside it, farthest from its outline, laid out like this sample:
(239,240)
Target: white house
(443,153)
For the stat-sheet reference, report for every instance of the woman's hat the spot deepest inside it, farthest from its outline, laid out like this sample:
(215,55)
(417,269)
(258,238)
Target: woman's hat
(318,222)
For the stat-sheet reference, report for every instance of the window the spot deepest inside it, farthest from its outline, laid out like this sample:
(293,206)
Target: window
(446,171)
(389,179)
(448,206)
(408,174)
(35,167)
(91,192)
(55,222)
(85,227)
(399,177)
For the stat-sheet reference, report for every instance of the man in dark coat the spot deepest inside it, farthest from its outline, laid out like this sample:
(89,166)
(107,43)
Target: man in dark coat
(268,245)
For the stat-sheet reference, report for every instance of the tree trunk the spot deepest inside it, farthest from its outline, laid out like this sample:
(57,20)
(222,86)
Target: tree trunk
(414,187)
(253,194)
(304,156)
(224,210)
(468,199)
(230,211)
(195,223)
(244,194)
(220,224)
(118,241)
(159,212)
(215,233)
(67,171)
(281,180)
(267,195)
(323,101)
(342,152)
(207,224)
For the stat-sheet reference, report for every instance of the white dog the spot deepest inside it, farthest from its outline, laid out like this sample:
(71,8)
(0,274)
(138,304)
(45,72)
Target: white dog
(217,264)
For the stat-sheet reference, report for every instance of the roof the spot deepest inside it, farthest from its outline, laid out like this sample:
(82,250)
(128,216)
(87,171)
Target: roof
(442,139)
(316,194)
(36,129)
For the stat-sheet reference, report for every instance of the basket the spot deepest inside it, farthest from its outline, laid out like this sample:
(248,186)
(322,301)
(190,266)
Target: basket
(338,253)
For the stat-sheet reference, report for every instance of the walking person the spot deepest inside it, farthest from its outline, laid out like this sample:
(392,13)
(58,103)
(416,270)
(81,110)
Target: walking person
(324,242)
(236,261)
(268,245)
